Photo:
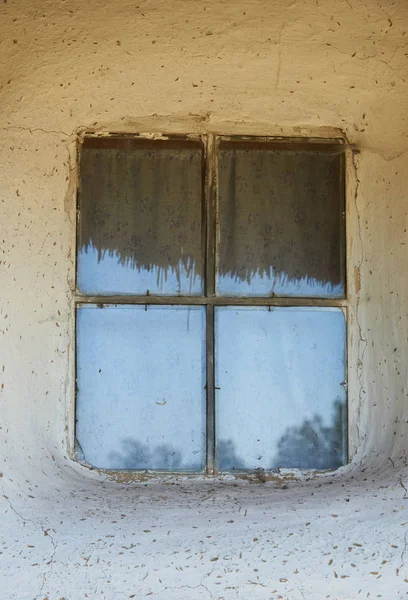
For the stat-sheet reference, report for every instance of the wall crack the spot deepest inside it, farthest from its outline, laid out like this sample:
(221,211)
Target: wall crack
(46,533)
(36,129)
(404,550)
(405,489)
(362,342)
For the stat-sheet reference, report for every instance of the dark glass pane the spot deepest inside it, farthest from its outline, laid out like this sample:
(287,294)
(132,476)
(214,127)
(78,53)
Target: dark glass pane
(140,226)
(280,221)
(141,387)
(280,394)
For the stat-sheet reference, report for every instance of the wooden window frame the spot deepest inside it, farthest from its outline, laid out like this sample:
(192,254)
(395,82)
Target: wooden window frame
(211,144)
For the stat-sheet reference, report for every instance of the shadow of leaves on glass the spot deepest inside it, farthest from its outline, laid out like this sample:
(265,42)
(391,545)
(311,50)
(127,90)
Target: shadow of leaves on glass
(313,445)
(136,455)
(227,458)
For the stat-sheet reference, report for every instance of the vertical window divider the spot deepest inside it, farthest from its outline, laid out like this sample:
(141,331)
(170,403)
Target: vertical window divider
(210,201)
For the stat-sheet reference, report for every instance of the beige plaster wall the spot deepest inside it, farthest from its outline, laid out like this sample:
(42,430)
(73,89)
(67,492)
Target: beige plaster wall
(302,67)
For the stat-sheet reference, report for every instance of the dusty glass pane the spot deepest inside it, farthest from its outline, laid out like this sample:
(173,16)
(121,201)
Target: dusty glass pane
(280,397)
(280,222)
(140,228)
(141,387)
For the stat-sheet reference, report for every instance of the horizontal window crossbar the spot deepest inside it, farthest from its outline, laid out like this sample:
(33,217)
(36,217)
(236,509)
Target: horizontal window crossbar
(211,301)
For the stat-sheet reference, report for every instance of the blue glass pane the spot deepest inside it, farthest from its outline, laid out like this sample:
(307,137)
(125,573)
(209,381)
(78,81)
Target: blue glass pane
(281,222)
(141,387)
(280,397)
(140,227)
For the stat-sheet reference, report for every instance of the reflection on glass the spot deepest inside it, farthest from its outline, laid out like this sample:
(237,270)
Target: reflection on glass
(141,387)
(140,228)
(280,397)
(280,222)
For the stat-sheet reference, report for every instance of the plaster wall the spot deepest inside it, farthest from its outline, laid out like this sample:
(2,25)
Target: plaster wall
(272,68)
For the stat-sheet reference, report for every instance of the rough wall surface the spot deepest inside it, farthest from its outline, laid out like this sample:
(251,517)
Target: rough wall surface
(259,67)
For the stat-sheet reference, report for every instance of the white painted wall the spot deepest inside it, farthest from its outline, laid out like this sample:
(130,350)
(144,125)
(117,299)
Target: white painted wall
(259,67)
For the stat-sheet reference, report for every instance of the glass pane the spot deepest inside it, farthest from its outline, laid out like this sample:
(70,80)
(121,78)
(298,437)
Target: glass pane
(280,222)
(140,228)
(141,387)
(280,398)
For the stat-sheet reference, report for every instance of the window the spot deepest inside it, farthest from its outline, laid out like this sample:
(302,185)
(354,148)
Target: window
(210,305)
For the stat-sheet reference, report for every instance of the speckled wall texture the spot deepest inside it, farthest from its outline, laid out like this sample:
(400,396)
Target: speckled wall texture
(306,67)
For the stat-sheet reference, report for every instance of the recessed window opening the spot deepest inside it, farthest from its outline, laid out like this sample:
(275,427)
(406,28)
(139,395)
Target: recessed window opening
(210,304)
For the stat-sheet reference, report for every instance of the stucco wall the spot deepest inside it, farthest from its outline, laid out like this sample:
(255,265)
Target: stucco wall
(305,67)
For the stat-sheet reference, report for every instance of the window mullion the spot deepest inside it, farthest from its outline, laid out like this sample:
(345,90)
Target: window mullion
(210,202)
(210,387)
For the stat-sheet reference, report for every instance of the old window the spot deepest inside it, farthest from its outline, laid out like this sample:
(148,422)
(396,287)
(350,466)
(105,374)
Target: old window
(210,305)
